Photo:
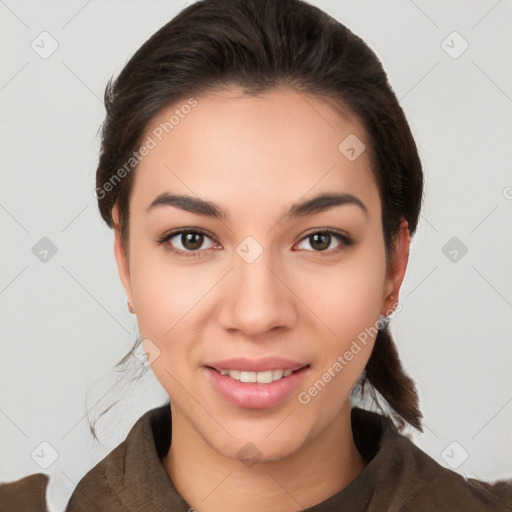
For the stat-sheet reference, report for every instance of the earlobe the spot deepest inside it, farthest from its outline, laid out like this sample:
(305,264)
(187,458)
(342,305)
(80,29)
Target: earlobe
(397,267)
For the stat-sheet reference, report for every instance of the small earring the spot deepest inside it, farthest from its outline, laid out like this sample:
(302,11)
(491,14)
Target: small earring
(383,322)
(129,304)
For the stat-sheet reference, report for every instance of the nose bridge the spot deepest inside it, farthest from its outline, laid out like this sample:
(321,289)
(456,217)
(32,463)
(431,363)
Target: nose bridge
(259,301)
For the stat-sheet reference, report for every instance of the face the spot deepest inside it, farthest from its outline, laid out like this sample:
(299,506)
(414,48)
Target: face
(262,287)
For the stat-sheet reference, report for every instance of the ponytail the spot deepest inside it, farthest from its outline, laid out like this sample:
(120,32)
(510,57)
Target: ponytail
(386,376)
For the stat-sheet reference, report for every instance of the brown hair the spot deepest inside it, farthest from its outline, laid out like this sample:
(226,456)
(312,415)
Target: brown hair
(260,45)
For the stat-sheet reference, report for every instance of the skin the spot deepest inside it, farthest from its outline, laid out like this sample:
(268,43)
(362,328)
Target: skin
(254,157)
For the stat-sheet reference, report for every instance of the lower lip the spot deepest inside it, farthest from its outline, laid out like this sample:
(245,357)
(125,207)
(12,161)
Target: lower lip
(253,394)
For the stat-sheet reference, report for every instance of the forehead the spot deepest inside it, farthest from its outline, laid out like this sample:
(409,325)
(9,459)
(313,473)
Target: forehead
(250,153)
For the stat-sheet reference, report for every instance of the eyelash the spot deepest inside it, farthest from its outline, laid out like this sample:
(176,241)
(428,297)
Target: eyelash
(344,239)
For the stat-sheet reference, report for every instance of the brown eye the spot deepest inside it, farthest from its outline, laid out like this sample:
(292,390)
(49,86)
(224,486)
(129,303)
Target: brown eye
(322,241)
(186,242)
(192,241)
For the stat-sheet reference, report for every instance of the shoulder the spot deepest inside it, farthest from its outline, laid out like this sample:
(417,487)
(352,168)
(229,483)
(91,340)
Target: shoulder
(404,478)
(123,480)
(131,475)
(28,494)
(94,491)
(432,485)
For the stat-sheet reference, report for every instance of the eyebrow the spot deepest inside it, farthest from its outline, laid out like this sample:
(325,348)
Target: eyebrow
(317,204)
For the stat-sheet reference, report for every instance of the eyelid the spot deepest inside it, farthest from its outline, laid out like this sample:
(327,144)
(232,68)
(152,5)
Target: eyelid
(334,231)
(180,231)
(344,239)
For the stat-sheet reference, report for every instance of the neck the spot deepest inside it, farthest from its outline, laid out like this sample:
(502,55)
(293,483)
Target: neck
(212,482)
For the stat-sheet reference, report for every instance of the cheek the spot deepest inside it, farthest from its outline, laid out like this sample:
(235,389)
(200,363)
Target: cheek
(348,301)
(164,293)
(347,297)
(166,300)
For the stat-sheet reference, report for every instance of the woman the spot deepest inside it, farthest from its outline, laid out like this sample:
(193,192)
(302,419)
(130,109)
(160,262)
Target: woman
(263,185)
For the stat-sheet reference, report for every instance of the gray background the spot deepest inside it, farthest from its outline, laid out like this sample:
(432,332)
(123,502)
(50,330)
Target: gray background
(64,321)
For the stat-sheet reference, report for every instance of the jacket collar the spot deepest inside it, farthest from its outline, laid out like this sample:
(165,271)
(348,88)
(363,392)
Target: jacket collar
(133,478)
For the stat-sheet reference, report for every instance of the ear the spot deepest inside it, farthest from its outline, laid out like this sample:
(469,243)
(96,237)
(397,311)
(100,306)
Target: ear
(396,270)
(121,258)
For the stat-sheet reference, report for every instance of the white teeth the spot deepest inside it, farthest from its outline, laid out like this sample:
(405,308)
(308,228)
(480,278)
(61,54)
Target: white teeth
(277,374)
(265,377)
(247,376)
(234,374)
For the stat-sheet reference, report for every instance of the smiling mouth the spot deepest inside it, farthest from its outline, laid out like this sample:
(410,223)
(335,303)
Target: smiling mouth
(264,377)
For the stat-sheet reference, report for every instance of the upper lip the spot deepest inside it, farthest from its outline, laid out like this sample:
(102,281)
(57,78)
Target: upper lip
(257,365)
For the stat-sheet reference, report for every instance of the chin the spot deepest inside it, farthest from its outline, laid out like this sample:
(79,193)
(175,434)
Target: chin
(259,449)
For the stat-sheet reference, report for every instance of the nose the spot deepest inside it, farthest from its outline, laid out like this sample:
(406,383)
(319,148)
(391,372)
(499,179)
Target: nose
(257,297)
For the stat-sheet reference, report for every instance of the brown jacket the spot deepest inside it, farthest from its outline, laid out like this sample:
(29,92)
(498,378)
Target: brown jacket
(399,477)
